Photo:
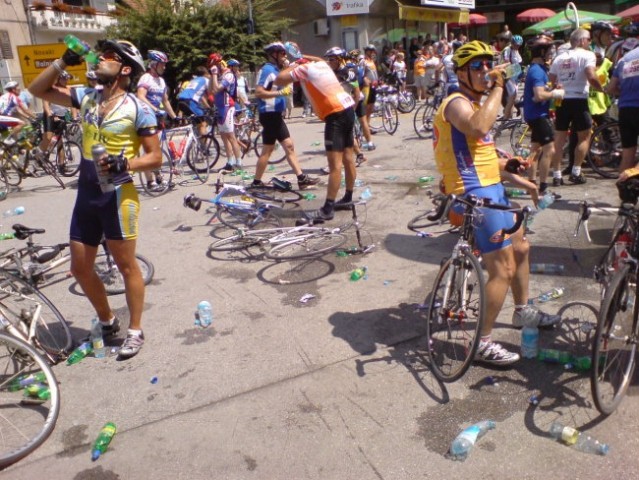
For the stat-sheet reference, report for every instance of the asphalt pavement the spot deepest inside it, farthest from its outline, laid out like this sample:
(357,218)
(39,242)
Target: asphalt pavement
(338,387)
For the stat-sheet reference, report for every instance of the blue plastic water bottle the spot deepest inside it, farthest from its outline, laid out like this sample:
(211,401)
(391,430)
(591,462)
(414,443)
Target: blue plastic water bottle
(205,313)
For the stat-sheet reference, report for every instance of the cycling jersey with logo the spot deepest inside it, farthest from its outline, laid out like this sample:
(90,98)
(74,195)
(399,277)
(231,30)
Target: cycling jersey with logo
(195,89)
(627,71)
(466,163)
(224,98)
(155,88)
(322,88)
(119,131)
(570,69)
(9,103)
(265,78)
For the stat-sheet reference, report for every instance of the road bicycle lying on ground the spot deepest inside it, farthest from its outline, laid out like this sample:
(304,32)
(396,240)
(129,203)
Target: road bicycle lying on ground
(456,306)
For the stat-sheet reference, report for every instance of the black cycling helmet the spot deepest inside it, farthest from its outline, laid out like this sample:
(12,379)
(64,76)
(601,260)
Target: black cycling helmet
(632,29)
(128,52)
(370,48)
(539,45)
(335,52)
(629,190)
(600,25)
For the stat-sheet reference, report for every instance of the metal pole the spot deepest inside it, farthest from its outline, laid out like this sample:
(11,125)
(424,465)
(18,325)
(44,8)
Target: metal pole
(250,16)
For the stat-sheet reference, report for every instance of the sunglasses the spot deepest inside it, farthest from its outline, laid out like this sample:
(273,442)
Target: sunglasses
(479,64)
(110,57)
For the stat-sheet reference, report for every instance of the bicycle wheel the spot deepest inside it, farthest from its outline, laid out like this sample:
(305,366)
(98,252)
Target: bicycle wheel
(456,309)
(390,118)
(25,422)
(272,194)
(21,304)
(50,169)
(239,241)
(307,245)
(614,346)
(110,275)
(423,121)
(375,123)
(203,155)
(164,174)
(406,102)
(604,150)
(70,164)
(277,156)
(11,171)
(4,186)
(520,136)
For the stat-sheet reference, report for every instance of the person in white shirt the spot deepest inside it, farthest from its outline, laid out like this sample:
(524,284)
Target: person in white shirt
(399,69)
(574,71)
(511,55)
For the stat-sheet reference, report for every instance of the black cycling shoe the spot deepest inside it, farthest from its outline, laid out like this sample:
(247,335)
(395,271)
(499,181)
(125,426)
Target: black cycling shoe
(343,205)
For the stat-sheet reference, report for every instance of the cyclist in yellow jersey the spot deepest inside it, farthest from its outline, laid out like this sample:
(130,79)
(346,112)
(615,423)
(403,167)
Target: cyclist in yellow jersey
(122,123)
(466,157)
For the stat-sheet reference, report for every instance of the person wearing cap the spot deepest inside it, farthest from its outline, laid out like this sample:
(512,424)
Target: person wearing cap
(271,106)
(54,118)
(223,87)
(12,106)
(510,55)
(336,108)
(601,33)
(466,157)
(127,128)
(92,80)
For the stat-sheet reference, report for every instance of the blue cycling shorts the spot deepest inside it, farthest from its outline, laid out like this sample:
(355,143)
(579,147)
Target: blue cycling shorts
(489,223)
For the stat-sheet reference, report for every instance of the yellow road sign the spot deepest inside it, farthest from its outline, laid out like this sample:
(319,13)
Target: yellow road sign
(35,58)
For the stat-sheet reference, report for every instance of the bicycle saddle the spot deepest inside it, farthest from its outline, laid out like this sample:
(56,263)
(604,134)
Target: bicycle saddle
(22,232)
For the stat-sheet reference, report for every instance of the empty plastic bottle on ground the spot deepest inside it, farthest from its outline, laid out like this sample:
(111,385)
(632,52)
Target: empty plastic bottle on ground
(24,381)
(358,273)
(97,341)
(547,200)
(552,355)
(7,236)
(40,391)
(580,441)
(463,443)
(530,338)
(79,353)
(102,442)
(205,313)
(366,194)
(12,212)
(546,268)
(552,294)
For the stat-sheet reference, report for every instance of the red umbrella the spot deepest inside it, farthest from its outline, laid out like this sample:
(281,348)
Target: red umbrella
(535,15)
(473,19)
(632,13)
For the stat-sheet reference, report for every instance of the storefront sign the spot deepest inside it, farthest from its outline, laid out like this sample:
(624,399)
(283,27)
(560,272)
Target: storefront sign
(346,7)
(433,14)
(470,4)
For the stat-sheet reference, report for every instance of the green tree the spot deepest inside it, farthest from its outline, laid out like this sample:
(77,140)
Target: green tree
(189,31)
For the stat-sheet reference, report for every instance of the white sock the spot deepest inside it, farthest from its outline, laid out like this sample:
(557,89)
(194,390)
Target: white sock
(576,171)
(132,331)
(108,322)
(556,174)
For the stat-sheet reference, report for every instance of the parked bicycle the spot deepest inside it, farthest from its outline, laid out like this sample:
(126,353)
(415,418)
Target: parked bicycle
(604,150)
(199,153)
(456,306)
(34,263)
(248,131)
(425,114)
(385,112)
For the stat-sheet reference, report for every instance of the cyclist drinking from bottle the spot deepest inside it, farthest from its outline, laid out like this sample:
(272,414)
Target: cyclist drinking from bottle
(122,123)
(466,157)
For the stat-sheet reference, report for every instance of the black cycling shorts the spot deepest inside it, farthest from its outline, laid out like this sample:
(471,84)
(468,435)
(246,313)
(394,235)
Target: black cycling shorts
(360,109)
(372,95)
(541,131)
(573,113)
(52,123)
(338,132)
(629,126)
(275,128)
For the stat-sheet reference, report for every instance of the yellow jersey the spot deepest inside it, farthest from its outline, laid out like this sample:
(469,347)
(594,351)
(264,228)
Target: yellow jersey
(465,163)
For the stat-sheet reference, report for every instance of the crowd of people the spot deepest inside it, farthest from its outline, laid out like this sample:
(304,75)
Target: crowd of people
(126,99)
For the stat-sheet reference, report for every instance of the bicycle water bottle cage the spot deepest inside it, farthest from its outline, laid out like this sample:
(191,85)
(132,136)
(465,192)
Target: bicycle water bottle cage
(283,185)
